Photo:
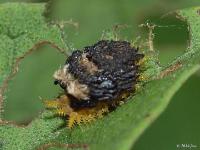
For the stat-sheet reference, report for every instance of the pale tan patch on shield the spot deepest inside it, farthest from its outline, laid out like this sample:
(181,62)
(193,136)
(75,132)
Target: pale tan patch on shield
(73,87)
(90,66)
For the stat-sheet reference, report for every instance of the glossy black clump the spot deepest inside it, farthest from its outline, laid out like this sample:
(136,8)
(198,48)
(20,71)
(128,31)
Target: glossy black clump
(117,71)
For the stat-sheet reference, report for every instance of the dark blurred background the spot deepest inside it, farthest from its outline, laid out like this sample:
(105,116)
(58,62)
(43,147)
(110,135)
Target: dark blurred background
(179,124)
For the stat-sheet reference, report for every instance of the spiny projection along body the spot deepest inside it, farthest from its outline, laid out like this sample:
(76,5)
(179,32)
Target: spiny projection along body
(96,80)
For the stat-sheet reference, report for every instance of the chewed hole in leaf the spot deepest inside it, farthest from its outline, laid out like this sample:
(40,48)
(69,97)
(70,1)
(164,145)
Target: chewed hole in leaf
(171,35)
(33,80)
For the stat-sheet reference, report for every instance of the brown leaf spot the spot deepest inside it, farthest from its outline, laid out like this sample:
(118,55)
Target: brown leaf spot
(198,11)
(170,70)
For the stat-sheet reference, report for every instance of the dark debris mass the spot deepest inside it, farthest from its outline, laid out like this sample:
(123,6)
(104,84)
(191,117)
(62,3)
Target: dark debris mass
(117,70)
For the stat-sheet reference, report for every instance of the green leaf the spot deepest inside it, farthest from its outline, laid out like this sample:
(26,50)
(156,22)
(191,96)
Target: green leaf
(22,30)
(22,26)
